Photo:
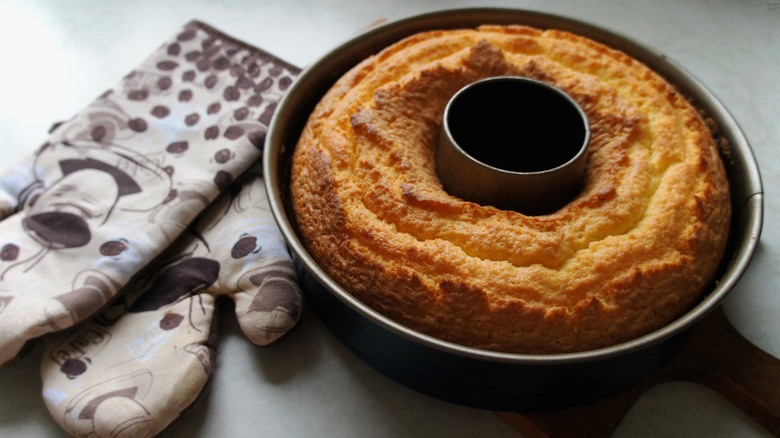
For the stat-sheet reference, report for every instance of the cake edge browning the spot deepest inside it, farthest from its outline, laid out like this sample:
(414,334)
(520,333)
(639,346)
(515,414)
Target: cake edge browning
(637,300)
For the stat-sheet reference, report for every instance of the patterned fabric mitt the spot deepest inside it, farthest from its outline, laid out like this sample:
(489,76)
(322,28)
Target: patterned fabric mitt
(134,368)
(115,185)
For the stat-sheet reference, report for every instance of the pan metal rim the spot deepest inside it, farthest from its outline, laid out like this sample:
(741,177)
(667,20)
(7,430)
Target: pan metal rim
(316,79)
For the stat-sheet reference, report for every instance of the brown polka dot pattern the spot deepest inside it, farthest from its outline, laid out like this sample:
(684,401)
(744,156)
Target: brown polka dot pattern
(234,132)
(160,111)
(171,321)
(192,119)
(212,132)
(150,153)
(177,147)
(9,252)
(222,155)
(137,125)
(113,248)
(165,83)
(154,348)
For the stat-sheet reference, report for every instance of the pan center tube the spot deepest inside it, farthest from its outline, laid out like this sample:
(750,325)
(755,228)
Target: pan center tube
(514,143)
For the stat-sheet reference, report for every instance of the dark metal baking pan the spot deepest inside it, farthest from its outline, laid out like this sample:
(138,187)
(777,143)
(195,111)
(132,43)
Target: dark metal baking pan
(487,379)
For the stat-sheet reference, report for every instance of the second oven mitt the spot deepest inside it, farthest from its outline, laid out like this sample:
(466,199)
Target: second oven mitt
(134,368)
(114,186)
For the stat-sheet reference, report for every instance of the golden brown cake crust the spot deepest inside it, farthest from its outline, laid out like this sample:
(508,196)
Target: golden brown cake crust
(631,253)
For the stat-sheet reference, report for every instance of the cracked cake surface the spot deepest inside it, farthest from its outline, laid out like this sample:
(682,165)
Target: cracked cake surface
(633,251)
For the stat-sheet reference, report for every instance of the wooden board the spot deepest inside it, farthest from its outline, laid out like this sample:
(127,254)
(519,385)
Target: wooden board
(715,355)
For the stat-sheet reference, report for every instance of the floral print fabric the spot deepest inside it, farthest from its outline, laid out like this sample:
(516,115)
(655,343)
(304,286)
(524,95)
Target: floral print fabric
(111,188)
(134,368)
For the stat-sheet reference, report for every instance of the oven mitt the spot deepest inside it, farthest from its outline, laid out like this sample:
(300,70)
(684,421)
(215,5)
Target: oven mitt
(135,367)
(114,186)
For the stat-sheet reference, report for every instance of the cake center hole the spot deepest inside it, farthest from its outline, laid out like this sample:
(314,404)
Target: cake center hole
(516,125)
(514,143)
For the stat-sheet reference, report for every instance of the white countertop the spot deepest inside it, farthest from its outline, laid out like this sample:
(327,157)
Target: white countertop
(59,55)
